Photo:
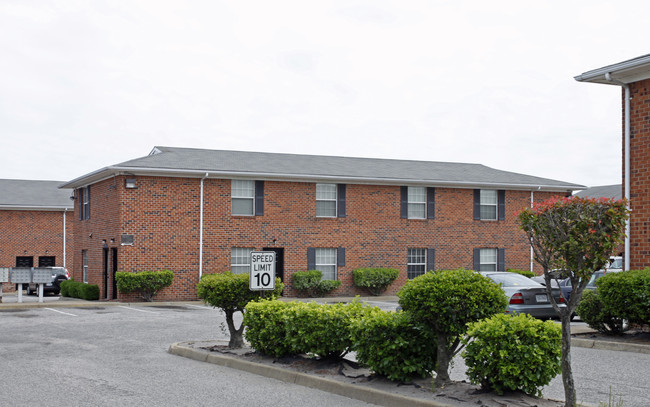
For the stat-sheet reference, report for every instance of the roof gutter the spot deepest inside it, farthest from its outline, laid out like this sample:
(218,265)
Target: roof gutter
(626,175)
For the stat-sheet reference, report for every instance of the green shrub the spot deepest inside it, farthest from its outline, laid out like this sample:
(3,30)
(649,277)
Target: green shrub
(74,289)
(311,283)
(507,353)
(394,345)
(145,283)
(525,273)
(593,311)
(266,329)
(445,301)
(375,280)
(626,295)
(230,293)
(295,328)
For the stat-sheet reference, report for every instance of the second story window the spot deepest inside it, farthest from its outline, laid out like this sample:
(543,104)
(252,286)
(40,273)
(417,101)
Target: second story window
(326,200)
(489,204)
(417,201)
(84,203)
(243,197)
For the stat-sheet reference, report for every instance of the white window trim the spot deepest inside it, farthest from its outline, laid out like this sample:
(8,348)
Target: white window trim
(234,196)
(494,205)
(84,259)
(335,200)
(496,259)
(411,202)
(246,258)
(335,264)
(408,258)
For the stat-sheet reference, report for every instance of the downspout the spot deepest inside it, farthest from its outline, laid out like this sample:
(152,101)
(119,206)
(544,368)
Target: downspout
(608,76)
(201,229)
(65,210)
(532,200)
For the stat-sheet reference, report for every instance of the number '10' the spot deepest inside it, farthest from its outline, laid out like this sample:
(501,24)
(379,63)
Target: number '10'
(263,279)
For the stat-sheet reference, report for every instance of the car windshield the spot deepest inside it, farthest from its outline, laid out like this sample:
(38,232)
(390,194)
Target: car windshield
(513,280)
(616,264)
(594,277)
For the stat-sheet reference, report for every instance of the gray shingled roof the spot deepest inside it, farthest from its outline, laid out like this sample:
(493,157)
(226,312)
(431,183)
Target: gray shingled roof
(36,195)
(273,166)
(603,191)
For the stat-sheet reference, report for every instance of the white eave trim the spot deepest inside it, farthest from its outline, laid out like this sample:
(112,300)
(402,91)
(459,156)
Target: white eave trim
(633,70)
(110,172)
(35,208)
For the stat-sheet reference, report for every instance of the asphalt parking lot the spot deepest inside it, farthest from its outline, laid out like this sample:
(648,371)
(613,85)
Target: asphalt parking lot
(92,353)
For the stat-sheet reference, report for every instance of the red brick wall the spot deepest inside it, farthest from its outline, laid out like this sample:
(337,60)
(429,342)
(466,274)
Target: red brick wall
(35,234)
(163,215)
(640,174)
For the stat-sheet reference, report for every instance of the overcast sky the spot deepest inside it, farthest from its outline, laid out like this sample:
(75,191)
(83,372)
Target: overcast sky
(86,84)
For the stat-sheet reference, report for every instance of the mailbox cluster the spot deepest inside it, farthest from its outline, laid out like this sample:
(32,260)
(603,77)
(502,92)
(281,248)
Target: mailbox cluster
(25,275)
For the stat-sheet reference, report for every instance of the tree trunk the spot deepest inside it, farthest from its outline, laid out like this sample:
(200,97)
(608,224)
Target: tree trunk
(567,373)
(236,335)
(442,364)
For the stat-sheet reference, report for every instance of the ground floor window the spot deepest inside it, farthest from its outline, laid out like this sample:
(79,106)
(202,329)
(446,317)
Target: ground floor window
(416,262)
(326,263)
(240,260)
(84,259)
(488,260)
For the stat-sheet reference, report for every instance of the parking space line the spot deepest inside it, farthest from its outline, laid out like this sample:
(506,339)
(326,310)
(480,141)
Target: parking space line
(60,312)
(135,309)
(198,306)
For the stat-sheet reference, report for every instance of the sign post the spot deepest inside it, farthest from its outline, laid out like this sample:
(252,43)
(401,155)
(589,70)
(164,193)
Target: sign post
(262,271)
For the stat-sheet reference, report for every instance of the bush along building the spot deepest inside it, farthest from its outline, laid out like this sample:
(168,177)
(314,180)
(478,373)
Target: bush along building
(633,76)
(198,211)
(36,225)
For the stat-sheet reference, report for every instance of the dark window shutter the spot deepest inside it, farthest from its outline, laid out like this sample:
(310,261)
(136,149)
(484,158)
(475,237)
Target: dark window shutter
(477,204)
(477,259)
(259,198)
(431,203)
(431,259)
(340,257)
(404,203)
(502,204)
(80,201)
(311,258)
(340,196)
(87,214)
(501,259)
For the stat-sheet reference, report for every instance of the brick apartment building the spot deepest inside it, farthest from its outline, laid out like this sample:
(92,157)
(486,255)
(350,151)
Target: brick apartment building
(198,211)
(36,224)
(634,78)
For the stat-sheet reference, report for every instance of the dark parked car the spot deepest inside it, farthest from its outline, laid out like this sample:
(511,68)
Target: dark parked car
(59,274)
(525,296)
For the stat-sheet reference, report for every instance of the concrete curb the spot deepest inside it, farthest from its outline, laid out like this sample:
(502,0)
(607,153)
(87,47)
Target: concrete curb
(609,345)
(367,395)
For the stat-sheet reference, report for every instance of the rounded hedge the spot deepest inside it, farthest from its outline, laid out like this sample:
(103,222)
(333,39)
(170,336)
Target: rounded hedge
(394,345)
(507,353)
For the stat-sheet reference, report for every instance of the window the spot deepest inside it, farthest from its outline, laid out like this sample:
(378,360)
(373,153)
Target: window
(489,204)
(25,261)
(416,263)
(84,203)
(240,260)
(418,202)
(46,261)
(84,259)
(489,259)
(243,197)
(326,263)
(326,200)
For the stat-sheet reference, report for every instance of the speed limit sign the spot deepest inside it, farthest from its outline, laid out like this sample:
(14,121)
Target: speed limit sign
(262,271)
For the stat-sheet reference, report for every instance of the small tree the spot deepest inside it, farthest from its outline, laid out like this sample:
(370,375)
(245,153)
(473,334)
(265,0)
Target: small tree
(445,301)
(145,283)
(230,292)
(574,235)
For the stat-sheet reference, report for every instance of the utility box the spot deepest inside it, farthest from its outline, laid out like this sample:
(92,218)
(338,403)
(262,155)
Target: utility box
(21,275)
(4,275)
(42,275)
